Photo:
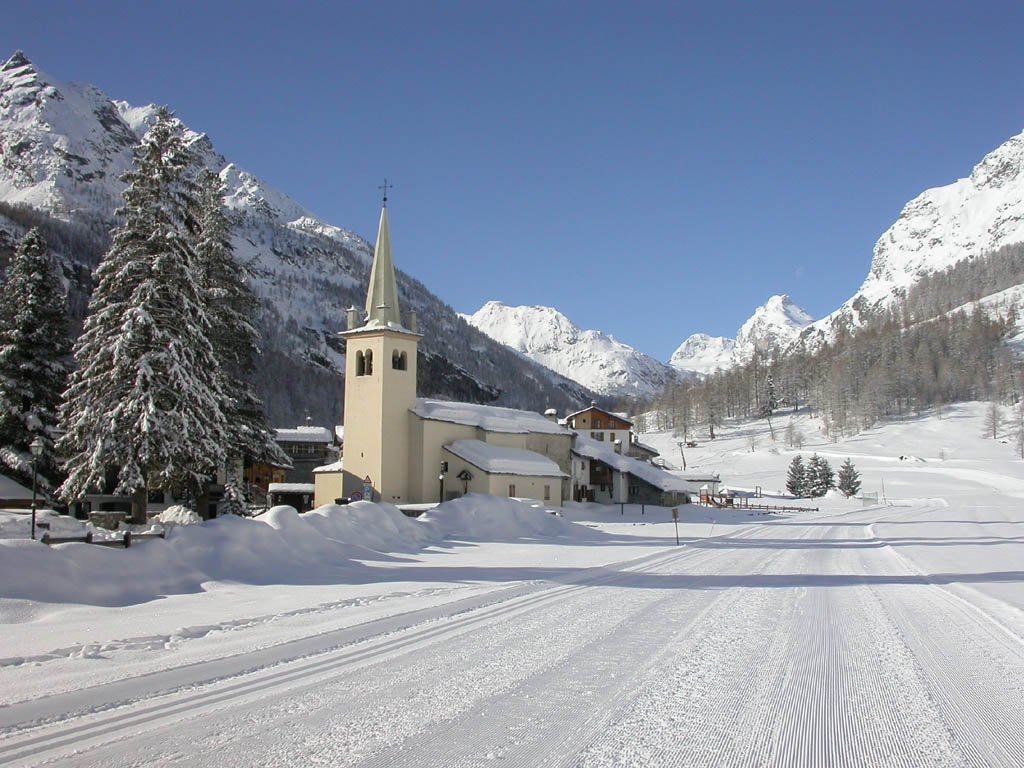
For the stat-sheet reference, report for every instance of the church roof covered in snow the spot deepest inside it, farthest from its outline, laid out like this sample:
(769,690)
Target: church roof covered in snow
(659,478)
(499,460)
(304,435)
(487,417)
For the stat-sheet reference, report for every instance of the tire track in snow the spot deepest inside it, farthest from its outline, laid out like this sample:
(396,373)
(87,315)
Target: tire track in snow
(796,681)
(108,726)
(970,662)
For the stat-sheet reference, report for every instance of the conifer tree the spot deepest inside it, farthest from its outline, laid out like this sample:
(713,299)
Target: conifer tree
(820,477)
(848,480)
(145,398)
(231,307)
(34,356)
(796,478)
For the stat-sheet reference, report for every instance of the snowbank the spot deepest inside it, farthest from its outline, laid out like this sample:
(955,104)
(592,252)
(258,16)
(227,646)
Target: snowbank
(488,518)
(326,546)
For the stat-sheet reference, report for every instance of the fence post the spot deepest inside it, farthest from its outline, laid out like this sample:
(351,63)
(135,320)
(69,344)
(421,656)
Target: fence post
(88,537)
(127,539)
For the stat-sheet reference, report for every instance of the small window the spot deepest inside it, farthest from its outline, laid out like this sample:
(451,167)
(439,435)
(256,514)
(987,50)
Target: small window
(511,489)
(398,360)
(360,364)
(547,493)
(369,362)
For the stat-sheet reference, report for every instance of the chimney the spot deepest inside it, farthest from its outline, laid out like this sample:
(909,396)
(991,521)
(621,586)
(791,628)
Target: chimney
(618,446)
(551,415)
(413,322)
(309,421)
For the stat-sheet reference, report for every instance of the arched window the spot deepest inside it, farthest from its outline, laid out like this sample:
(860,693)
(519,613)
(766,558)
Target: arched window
(360,364)
(398,360)
(369,362)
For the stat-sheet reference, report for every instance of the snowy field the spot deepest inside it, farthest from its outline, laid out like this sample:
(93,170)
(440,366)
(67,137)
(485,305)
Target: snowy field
(490,632)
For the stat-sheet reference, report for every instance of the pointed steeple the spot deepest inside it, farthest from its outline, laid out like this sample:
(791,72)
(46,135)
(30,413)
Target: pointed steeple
(382,298)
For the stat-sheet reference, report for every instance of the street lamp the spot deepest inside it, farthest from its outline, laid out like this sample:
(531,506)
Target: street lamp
(440,477)
(36,447)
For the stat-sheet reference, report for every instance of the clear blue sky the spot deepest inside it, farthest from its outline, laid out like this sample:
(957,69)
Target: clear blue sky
(650,169)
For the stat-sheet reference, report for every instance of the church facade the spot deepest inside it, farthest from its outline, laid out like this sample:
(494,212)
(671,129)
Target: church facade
(401,449)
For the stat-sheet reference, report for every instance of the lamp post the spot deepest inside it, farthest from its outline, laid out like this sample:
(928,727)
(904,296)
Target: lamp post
(36,447)
(440,477)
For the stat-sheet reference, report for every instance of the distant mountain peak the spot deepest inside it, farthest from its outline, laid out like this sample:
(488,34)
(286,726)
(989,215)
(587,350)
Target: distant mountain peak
(591,358)
(774,325)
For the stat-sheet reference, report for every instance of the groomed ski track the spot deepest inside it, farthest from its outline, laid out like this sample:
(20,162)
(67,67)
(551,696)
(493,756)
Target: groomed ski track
(804,642)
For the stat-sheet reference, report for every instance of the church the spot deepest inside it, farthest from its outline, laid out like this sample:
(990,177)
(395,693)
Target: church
(401,449)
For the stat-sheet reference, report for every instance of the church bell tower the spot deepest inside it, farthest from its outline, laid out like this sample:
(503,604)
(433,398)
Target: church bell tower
(380,385)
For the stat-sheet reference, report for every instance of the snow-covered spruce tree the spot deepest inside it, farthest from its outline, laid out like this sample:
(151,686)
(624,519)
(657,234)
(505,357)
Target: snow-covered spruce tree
(145,398)
(848,480)
(820,477)
(796,477)
(34,357)
(231,308)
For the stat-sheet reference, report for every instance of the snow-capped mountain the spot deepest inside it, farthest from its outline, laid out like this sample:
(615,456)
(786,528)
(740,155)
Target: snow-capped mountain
(773,326)
(591,358)
(63,149)
(941,226)
(702,354)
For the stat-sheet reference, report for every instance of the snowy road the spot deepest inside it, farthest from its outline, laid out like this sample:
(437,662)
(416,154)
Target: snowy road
(792,643)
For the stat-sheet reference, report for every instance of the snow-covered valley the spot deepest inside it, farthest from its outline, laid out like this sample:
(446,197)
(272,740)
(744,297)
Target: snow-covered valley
(885,633)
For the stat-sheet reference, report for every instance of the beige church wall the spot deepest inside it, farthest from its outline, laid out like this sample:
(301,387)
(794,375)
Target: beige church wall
(453,487)
(504,439)
(555,447)
(527,487)
(327,486)
(426,442)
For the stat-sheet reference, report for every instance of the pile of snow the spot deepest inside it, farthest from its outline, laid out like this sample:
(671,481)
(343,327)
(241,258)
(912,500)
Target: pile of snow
(178,515)
(330,545)
(489,518)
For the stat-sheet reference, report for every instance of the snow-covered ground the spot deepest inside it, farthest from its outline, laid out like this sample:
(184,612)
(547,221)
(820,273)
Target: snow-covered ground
(488,630)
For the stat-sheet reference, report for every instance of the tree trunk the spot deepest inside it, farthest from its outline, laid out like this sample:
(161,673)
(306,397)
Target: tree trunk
(140,500)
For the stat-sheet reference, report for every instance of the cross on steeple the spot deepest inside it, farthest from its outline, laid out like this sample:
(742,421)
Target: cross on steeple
(385,186)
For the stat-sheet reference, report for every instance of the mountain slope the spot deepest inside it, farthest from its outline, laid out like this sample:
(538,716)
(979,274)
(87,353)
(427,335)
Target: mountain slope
(591,358)
(963,220)
(63,148)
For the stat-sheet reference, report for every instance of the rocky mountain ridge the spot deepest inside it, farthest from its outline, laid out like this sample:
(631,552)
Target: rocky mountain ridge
(591,358)
(966,219)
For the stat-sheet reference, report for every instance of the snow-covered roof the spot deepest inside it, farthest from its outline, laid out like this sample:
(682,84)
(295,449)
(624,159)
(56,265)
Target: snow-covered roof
(487,417)
(659,478)
(304,435)
(645,447)
(12,490)
(336,466)
(339,433)
(291,488)
(620,416)
(498,460)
